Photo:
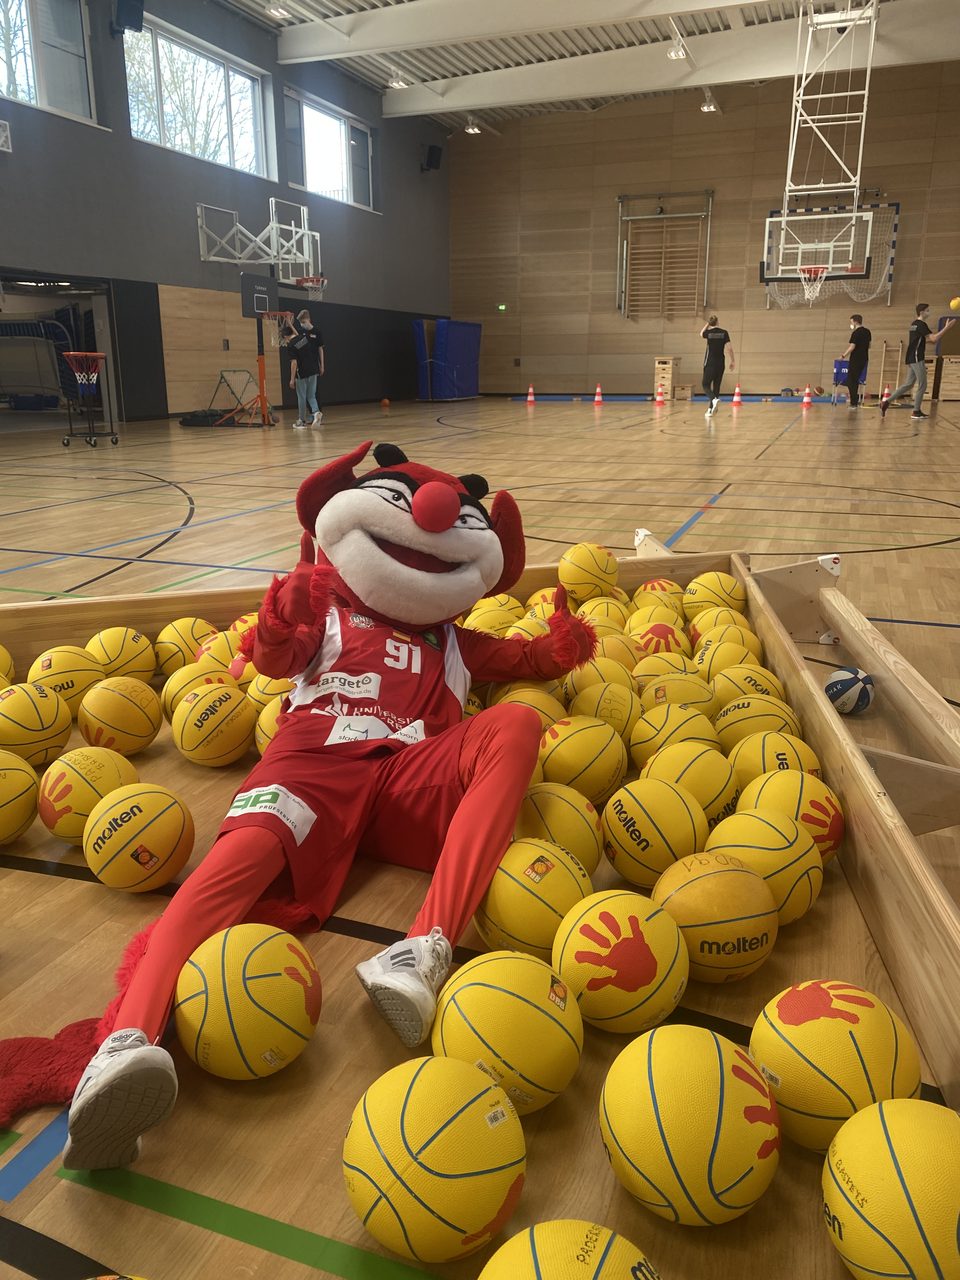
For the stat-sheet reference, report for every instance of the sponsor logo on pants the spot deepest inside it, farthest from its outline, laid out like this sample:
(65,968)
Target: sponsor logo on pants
(279,802)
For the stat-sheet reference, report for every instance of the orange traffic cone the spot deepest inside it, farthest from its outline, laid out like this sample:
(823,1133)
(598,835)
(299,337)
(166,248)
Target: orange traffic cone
(658,399)
(886,394)
(598,395)
(531,398)
(807,398)
(737,398)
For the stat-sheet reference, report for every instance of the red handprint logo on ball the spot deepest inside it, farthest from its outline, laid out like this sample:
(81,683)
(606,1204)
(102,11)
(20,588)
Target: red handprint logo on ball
(310,981)
(826,824)
(810,1001)
(630,960)
(659,637)
(767,1114)
(98,737)
(51,798)
(501,1217)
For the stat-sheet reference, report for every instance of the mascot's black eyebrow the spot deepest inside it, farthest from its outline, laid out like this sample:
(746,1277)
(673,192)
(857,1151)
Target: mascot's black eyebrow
(413,485)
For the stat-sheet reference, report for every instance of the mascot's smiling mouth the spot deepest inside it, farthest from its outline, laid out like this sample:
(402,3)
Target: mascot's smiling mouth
(415,559)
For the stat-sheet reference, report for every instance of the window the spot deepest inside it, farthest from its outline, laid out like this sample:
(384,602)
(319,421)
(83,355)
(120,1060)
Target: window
(43,56)
(184,98)
(328,153)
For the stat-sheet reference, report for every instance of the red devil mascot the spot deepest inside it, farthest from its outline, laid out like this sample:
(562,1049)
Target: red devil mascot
(372,755)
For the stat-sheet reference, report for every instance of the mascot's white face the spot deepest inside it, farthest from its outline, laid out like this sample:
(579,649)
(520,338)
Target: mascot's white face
(419,553)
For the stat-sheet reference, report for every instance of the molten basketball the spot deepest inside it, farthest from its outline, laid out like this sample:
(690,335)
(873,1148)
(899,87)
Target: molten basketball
(655,665)
(74,785)
(647,826)
(122,651)
(703,772)
(569,1249)
(533,888)
(68,671)
(806,799)
(267,724)
(121,713)
(19,794)
(714,591)
(179,641)
(769,752)
(214,727)
(780,851)
(745,681)
(666,725)
(618,706)
(682,691)
(596,671)
(587,570)
(194,675)
(586,754)
(759,714)
(35,723)
(563,816)
(138,837)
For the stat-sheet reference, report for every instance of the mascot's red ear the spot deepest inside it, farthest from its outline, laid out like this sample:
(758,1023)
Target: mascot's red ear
(320,487)
(507,525)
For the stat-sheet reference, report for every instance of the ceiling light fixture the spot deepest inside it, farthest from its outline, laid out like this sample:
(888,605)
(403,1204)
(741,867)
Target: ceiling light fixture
(678,48)
(709,101)
(396,80)
(471,126)
(275,11)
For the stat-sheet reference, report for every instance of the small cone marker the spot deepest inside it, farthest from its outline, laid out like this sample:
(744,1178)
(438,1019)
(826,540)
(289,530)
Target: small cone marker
(659,396)
(598,395)
(807,398)
(737,398)
(886,394)
(531,398)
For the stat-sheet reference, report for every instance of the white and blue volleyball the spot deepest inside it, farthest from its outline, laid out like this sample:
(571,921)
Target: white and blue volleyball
(850,690)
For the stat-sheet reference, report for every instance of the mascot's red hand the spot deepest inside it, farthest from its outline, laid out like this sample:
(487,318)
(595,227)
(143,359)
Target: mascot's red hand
(292,600)
(571,641)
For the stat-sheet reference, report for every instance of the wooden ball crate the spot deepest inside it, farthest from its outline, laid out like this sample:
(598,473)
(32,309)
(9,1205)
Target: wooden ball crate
(884,920)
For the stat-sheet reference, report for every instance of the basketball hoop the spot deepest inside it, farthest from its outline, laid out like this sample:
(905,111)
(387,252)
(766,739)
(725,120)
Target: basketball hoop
(86,366)
(812,279)
(282,320)
(314,286)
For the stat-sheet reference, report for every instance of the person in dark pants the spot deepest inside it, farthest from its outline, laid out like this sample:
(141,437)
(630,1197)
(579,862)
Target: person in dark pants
(718,343)
(857,354)
(916,368)
(306,367)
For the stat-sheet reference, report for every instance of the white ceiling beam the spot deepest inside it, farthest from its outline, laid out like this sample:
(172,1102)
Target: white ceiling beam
(424,24)
(764,52)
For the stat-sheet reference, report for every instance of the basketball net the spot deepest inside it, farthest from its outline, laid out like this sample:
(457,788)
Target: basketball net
(278,329)
(314,285)
(812,279)
(794,293)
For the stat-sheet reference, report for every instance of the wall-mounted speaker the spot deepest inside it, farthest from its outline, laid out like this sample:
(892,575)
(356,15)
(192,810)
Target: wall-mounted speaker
(434,155)
(127,16)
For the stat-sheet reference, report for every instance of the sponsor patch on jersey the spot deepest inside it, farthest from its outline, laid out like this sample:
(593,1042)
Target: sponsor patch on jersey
(280,802)
(432,639)
(366,685)
(410,733)
(362,621)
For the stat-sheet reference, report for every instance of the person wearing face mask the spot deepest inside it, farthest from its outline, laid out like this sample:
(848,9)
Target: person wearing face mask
(917,336)
(857,354)
(306,366)
(714,361)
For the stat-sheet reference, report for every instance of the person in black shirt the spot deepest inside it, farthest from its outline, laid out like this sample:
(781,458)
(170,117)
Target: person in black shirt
(917,337)
(306,366)
(856,355)
(718,343)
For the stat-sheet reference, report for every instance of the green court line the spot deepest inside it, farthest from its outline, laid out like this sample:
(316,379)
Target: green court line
(278,1238)
(208,573)
(7,1139)
(40,595)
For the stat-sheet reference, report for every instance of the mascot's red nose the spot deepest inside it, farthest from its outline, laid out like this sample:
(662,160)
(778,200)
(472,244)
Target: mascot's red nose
(435,506)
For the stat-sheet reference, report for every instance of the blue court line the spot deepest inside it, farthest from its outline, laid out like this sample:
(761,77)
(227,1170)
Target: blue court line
(915,622)
(678,534)
(42,1150)
(179,564)
(145,537)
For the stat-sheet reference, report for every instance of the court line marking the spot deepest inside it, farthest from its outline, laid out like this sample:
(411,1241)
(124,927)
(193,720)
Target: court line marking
(21,1169)
(40,1256)
(8,1137)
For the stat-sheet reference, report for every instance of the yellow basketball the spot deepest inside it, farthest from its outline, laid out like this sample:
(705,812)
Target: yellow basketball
(955,304)
(709,619)
(194,675)
(532,889)
(587,570)
(713,656)
(220,648)
(214,727)
(495,621)
(548,709)
(662,664)
(267,724)
(502,601)
(624,959)
(660,613)
(511,1016)
(620,648)
(757,714)
(74,785)
(527,627)
(243,623)
(661,637)
(714,591)
(542,610)
(35,723)
(618,593)
(732,635)
(554,688)
(605,609)
(542,595)
(138,837)
(666,725)
(890,1191)
(768,752)
(681,691)
(434,1159)
(779,850)
(473,705)
(569,1249)
(725,911)
(562,816)
(586,754)
(648,825)
(122,651)
(120,713)
(247,1002)
(263,689)
(805,799)
(746,681)
(536,775)
(68,671)
(6,665)
(690,1126)
(596,671)
(662,587)
(602,629)
(618,706)
(700,770)
(178,642)
(19,794)
(828,1049)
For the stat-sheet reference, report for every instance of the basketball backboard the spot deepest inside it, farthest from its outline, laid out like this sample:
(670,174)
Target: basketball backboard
(258,294)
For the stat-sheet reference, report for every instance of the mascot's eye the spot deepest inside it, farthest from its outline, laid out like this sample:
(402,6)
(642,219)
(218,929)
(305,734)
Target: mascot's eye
(393,496)
(470,520)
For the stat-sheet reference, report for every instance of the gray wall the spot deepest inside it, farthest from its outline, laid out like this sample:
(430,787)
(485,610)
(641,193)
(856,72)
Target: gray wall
(96,202)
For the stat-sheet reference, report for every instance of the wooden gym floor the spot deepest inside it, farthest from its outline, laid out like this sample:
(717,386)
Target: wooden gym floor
(245,1181)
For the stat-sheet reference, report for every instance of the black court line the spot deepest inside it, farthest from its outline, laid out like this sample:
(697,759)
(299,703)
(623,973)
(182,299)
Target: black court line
(76,502)
(36,1255)
(347,928)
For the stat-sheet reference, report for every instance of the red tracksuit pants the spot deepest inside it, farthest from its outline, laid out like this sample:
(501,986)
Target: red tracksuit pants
(446,805)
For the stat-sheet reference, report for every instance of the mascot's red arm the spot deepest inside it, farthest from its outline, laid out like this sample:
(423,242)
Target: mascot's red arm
(570,643)
(291,621)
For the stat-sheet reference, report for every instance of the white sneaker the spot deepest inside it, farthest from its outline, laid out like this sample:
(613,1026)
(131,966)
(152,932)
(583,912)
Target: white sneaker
(299,424)
(129,1086)
(403,982)
(317,419)
(713,404)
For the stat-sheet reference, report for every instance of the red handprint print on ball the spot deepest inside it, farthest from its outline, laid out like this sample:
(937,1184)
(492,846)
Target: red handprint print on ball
(826,824)
(810,1001)
(633,965)
(767,1114)
(501,1217)
(51,798)
(310,981)
(97,737)
(657,638)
